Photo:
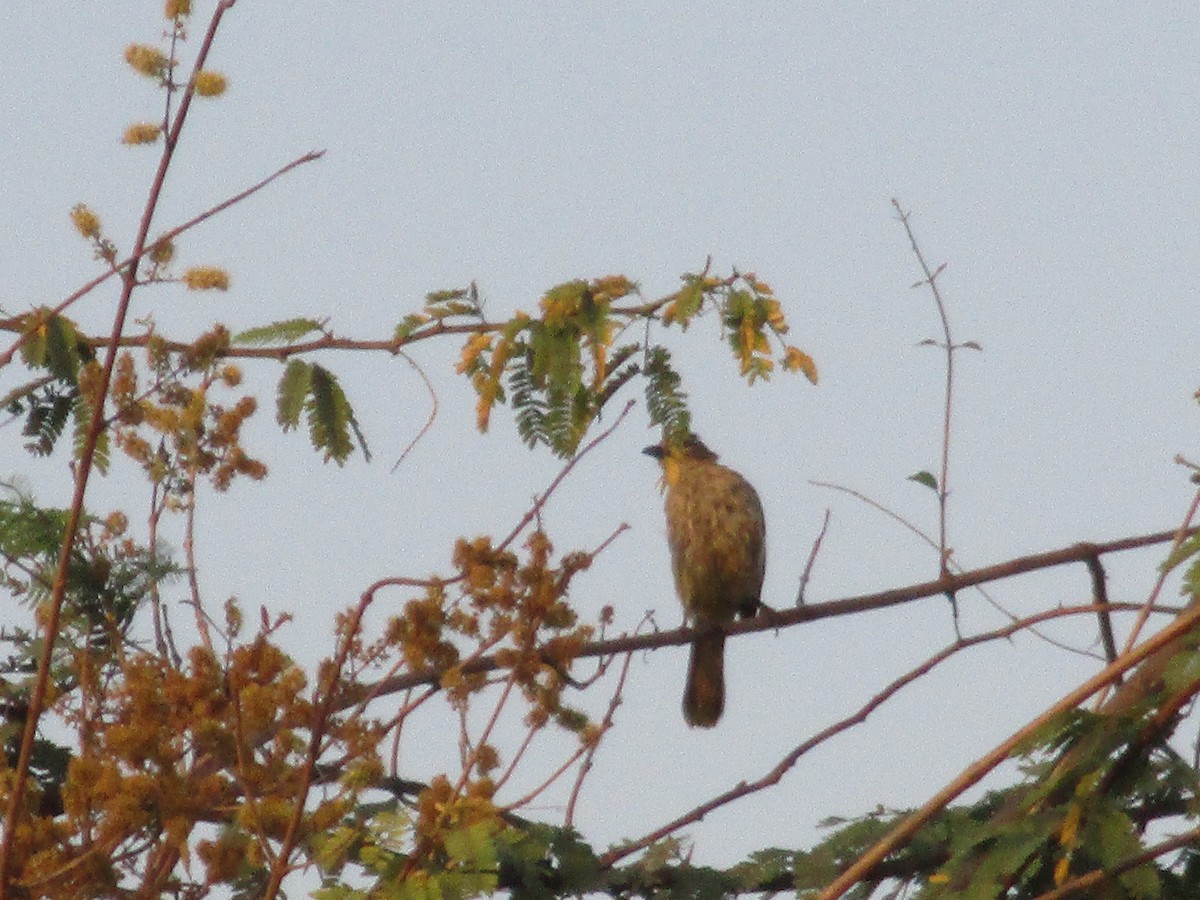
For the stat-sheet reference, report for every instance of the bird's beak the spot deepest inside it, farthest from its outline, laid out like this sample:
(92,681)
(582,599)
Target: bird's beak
(654,450)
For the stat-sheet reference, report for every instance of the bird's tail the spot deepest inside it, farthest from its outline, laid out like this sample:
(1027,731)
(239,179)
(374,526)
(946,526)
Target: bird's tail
(704,698)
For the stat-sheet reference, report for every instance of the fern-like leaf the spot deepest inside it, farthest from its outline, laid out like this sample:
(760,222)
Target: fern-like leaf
(48,414)
(617,376)
(528,408)
(83,416)
(666,402)
(62,348)
(52,342)
(329,416)
(287,331)
(290,396)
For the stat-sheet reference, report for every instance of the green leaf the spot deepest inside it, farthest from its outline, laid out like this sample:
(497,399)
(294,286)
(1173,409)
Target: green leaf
(49,410)
(287,331)
(528,407)
(1187,549)
(1182,671)
(293,388)
(688,301)
(332,848)
(329,416)
(1191,580)
(33,350)
(666,402)
(454,302)
(62,348)
(83,417)
(52,342)
(27,530)
(409,324)
(1004,856)
(339,892)
(925,478)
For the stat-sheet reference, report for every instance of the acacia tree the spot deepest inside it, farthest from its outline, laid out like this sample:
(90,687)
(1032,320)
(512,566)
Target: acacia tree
(139,762)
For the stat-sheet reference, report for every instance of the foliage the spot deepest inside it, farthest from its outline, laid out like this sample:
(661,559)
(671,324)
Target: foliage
(133,764)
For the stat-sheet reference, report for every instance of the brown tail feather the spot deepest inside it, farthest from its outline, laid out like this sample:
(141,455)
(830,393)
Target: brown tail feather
(704,697)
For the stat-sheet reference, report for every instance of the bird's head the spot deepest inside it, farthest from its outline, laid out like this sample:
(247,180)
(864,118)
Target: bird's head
(672,454)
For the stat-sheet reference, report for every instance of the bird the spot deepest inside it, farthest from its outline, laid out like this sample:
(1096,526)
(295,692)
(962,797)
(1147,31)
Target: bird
(717,535)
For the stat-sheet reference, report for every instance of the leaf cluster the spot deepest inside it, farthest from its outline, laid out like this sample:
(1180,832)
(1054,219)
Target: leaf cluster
(313,391)
(561,368)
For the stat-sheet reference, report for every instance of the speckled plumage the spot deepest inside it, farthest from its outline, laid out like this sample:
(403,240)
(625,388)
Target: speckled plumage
(717,535)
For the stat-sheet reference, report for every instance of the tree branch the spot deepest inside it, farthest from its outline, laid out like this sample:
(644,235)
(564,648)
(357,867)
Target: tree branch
(791,616)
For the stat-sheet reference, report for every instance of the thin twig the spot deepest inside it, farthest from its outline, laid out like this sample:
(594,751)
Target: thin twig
(943,487)
(594,745)
(1110,872)
(189,549)
(812,558)
(1182,533)
(931,280)
(538,503)
(433,411)
(955,566)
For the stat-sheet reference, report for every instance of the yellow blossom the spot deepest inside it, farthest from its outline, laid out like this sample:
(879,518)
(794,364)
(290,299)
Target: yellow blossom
(86,222)
(141,133)
(206,278)
(149,61)
(210,84)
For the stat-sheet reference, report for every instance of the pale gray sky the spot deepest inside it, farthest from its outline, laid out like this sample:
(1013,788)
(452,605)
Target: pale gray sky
(1047,152)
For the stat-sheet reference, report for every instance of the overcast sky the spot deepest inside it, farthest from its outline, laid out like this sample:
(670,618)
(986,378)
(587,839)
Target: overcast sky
(1047,153)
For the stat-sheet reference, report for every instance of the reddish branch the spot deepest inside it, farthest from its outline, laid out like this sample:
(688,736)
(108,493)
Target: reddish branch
(796,615)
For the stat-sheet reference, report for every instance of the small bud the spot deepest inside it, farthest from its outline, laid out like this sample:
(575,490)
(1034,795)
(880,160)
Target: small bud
(163,251)
(210,84)
(231,375)
(147,60)
(141,133)
(175,9)
(206,278)
(86,222)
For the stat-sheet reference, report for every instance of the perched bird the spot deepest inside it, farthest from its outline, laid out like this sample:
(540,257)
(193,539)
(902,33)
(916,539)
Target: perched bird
(717,535)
